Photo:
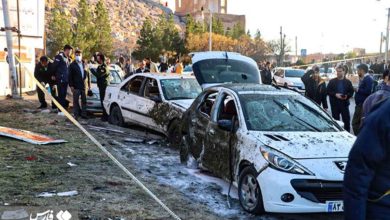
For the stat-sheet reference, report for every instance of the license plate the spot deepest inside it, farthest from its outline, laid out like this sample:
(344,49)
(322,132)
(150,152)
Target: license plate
(334,206)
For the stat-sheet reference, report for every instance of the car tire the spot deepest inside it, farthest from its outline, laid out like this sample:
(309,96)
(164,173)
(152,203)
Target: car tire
(249,192)
(174,134)
(285,85)
(115,116)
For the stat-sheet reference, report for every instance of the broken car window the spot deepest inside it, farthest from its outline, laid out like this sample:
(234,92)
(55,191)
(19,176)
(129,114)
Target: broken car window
(175,89)
(263,113)
(207,104)
(151,88)
(226,71)
(134,85)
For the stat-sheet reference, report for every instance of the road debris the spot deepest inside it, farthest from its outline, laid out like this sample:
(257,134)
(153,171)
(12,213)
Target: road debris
(71,164)
(31,158)
(134,140)
(96,128)
(28,136)
(151,142)
(51,194)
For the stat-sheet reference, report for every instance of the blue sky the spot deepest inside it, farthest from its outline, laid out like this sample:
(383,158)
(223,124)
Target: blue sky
(320,25)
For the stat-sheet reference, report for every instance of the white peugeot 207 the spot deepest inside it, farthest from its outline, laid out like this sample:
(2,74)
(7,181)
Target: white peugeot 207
(283,152)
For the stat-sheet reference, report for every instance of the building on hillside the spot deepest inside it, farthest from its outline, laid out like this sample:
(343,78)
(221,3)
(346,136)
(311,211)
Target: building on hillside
(218,8)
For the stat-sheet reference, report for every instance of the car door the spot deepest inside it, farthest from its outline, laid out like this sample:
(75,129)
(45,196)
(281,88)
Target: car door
(199,120)
(127,97)
(146,102)
(217,154)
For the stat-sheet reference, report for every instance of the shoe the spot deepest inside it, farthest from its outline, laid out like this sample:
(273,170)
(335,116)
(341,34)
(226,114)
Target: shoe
(42,107)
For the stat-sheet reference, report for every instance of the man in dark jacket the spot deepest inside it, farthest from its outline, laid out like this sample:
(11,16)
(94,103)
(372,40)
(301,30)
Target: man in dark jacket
(315,87)
(60,69)
(340,90)
(362,92)
(43,75)
(266,75)
(377,97)
(78,79)
(103,80)
(367,176)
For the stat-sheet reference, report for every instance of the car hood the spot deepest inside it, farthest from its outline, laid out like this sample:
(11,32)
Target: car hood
(183,103)
(308,145)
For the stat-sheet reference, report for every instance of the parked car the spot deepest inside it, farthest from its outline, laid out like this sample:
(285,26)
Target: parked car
(154,101)
(282,151)
(330,74)
(93,101)
(289,78)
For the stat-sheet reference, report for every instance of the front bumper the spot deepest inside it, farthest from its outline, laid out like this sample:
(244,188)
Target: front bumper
(307,192)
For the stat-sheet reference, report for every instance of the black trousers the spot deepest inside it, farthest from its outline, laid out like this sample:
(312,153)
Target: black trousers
(102,93)
(342,109)
(41,95)
(77,94)
(62,91)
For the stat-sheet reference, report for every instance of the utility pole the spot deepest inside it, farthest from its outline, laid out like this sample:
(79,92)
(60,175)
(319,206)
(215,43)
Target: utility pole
(19,56)
(281,47)
(387,36)
(296,46)
(380,45)
(11,60)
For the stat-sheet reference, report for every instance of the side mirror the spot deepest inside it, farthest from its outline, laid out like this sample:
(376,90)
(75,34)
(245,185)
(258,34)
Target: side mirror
(156,99)
(226,125)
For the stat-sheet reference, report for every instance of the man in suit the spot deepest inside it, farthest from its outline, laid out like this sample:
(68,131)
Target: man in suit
(78,79)
(340,90)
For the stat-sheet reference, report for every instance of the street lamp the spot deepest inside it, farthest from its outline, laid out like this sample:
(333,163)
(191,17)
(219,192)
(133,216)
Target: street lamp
(387,34)
(210,26)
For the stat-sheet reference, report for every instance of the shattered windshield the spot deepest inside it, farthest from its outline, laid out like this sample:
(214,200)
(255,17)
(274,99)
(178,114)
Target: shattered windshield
(284,113)
(175,89)
(225,71)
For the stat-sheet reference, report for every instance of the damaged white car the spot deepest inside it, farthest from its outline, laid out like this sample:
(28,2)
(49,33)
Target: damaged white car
(282,151)
(154,101)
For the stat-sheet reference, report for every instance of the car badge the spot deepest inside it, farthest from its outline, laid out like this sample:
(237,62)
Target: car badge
(341,165)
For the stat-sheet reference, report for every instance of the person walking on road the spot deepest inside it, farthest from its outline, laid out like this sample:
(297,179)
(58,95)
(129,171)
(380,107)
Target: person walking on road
(340,90)
(43,75)
(78,79)
(367,175)
(103,80)
(60,69)
(315,87)
(266,75)
(362,92)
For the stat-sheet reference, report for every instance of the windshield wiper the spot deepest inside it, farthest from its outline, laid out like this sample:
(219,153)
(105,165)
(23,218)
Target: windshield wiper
(294,116)
(307,107)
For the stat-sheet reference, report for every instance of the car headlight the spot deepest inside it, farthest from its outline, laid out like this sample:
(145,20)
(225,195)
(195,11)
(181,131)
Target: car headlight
(282,162)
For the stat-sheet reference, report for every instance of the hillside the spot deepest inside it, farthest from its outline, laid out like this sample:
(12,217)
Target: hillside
(126,16)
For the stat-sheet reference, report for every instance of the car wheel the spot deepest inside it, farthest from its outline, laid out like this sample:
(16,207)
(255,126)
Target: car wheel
(116,117)
(249,192)
(285,85)
(174,133)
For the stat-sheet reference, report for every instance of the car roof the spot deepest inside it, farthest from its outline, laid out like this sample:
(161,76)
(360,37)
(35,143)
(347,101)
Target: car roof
(241,88)
(199,56)
(166,75)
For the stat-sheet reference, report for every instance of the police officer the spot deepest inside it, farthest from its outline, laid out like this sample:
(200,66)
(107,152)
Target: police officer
(103,80)
(60,69)
(43,75)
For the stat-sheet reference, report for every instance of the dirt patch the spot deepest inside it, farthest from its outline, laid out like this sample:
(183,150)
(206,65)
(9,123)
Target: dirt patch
(27,170)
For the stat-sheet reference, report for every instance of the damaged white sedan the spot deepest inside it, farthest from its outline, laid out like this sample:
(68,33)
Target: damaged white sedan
(154,101)
(282,151)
